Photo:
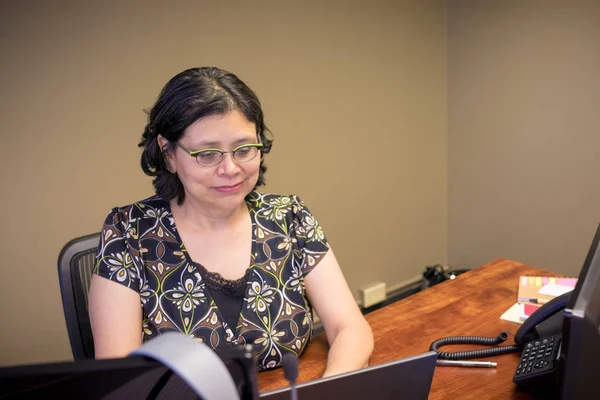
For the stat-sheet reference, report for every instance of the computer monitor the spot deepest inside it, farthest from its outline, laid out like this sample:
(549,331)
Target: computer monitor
(133,377)
(580,350)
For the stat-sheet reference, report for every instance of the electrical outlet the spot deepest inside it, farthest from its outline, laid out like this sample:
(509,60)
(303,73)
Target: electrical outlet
(373,294)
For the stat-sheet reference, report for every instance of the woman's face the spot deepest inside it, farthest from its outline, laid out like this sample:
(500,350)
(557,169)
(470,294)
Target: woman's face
(226,184)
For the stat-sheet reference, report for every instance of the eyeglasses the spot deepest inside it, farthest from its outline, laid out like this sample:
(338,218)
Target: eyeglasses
(210,157)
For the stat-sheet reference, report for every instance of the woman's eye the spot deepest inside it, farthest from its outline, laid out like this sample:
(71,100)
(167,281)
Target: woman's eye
(207,155)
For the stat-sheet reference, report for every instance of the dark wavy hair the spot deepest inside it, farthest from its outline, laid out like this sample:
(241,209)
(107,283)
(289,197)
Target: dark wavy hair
(187,97)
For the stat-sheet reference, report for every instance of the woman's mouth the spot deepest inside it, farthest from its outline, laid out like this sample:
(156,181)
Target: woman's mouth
(228,189)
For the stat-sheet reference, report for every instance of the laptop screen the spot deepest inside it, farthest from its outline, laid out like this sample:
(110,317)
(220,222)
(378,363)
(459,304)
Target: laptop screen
(407,378)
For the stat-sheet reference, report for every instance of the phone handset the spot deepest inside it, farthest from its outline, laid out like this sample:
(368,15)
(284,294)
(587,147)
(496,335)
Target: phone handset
(549,314)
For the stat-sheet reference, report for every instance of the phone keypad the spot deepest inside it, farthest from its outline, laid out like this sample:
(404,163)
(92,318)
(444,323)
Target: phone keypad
(537,357)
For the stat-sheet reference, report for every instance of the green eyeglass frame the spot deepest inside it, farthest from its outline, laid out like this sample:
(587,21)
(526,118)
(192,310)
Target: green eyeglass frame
(237,154)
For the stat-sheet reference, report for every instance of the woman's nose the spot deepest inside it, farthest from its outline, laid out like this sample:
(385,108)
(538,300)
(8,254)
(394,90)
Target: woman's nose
(228,165)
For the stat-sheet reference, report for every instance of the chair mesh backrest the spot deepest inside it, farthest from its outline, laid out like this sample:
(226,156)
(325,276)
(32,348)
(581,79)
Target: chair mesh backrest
(81,273)
(75,264)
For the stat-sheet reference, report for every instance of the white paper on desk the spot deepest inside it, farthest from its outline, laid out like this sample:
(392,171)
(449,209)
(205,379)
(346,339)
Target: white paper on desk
(513,314)
(554,289)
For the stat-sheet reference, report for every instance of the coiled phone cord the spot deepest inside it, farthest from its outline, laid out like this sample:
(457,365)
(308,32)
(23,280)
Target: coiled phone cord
(463,355)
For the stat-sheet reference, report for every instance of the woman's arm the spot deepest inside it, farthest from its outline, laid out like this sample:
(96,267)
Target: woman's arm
(349,335)
(116,318)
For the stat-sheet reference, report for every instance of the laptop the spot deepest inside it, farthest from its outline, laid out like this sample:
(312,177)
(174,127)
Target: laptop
(407,378)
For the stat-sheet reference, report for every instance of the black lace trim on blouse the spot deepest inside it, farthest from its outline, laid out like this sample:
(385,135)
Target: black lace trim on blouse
(215,281)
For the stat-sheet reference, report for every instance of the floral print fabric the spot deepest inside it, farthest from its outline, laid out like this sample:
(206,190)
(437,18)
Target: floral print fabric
(141,249)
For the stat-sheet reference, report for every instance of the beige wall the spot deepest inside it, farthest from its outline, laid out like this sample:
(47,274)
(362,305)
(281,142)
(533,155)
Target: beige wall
(354,91)
(523,131)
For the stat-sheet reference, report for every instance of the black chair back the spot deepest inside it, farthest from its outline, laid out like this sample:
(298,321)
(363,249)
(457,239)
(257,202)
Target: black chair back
(75,264)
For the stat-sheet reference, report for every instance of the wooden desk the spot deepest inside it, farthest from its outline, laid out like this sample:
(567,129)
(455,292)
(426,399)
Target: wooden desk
(469,305)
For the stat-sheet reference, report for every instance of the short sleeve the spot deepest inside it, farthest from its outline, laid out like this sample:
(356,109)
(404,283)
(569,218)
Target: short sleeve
(311,243)
(115,260)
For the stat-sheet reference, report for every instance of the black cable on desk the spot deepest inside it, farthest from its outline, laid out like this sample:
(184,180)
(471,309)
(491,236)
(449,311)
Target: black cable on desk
(463,355)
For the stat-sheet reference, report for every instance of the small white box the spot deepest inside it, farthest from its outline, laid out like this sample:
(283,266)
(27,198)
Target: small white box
(373,294)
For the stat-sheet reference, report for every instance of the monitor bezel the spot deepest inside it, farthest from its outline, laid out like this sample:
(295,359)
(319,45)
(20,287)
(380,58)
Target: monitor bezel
(44,375)
(579,346)
(588,276)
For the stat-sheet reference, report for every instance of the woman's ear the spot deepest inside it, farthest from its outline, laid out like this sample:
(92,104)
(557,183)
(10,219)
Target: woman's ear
(162,142)
(167,154)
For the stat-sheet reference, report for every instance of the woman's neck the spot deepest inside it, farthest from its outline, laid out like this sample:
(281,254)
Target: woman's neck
(197,216)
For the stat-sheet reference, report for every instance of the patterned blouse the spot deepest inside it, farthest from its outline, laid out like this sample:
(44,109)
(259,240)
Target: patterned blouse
(140,248)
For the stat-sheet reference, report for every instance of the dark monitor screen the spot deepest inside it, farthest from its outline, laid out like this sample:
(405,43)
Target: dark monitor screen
(133,377)
(580,349)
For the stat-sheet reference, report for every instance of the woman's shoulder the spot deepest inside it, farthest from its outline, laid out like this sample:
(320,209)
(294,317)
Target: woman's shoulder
(277,208)
(268,201)
(150,208)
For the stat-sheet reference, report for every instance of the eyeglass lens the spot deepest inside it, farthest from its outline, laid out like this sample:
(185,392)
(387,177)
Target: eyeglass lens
(213,157)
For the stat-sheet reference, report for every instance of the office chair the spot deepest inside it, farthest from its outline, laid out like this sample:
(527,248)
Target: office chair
(75,263)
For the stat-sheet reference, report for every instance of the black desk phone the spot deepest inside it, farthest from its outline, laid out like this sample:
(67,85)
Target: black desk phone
(539,340)
(540,337)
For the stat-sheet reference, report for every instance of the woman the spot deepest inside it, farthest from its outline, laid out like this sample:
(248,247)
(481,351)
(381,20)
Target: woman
(209,255)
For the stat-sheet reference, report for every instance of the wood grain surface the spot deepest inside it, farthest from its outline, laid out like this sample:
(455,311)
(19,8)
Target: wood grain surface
(469,305)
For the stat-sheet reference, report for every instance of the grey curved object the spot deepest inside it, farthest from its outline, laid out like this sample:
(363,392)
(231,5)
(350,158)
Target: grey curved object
(196,363)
